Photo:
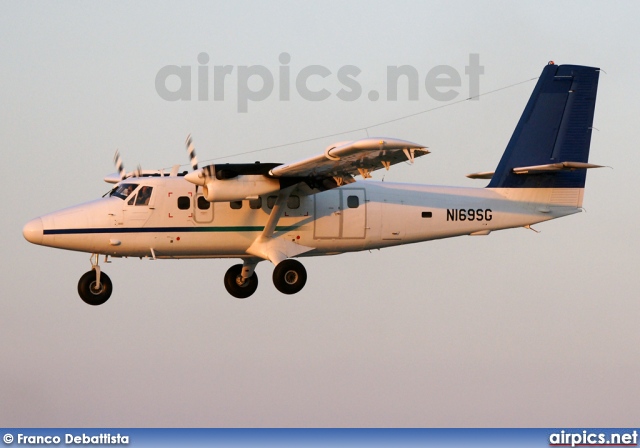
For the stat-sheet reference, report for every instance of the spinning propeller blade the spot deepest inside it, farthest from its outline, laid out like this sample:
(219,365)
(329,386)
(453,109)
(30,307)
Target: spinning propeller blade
(191,150)
(119,165)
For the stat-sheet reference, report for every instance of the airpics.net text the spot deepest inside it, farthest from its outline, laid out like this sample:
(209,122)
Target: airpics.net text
(255,83)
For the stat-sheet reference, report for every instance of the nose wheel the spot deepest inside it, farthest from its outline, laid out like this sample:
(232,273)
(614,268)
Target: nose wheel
(93,292)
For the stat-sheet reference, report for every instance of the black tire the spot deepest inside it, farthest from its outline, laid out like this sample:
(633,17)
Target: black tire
(289,276)
(237,290)
(87,291)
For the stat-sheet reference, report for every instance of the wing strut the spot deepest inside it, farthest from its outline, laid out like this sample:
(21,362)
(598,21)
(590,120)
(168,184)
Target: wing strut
(276,249)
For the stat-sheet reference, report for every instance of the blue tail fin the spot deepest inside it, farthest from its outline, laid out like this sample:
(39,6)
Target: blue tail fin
(555,127)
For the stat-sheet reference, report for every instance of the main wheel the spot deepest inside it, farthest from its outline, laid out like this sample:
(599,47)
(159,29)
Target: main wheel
(234,284)
(88,291)
(289,276)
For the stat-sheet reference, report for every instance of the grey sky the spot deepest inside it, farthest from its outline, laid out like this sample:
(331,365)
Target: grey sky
(514,329)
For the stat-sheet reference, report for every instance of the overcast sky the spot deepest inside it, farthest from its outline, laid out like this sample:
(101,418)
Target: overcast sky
(513,329)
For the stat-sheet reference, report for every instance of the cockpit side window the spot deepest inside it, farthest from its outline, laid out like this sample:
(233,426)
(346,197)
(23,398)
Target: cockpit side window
(144,195)
(124,190)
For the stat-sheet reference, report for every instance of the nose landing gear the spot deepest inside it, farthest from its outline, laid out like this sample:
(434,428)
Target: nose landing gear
(95,287)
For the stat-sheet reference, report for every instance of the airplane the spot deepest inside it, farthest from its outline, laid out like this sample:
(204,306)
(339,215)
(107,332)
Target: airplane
(314,207)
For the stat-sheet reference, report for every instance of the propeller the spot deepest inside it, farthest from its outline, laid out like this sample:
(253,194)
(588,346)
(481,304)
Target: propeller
(191,150)
(117,160)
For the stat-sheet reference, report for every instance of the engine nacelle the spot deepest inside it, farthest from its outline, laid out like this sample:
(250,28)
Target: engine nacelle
(238,188)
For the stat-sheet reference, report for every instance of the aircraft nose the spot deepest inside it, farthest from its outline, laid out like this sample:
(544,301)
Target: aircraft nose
(32,231)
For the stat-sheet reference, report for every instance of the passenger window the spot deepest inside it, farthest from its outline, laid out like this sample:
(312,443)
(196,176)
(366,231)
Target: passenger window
(255,203)
(271,201)
(132,200)
(236,205)
(293,202)
(184,203)
(144,195)
(203,204)
(353,201)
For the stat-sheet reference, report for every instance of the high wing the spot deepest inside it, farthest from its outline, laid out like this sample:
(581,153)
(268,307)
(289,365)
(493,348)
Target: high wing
(342,161)
(335,167)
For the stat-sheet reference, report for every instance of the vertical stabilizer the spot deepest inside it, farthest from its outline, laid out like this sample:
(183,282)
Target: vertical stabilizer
(554,128)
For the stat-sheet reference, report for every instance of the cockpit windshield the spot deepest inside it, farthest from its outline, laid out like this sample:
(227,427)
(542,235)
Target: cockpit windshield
(124,190)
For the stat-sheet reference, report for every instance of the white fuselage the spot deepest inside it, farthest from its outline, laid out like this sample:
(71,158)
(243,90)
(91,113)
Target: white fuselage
(174,223)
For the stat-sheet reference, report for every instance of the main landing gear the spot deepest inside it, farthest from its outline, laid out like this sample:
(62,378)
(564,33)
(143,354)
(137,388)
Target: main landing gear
(95,287)
(241,283)
(289,277)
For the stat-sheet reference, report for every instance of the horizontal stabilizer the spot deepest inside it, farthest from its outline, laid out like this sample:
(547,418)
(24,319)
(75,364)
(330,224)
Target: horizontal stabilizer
(482,175)
(551,167)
